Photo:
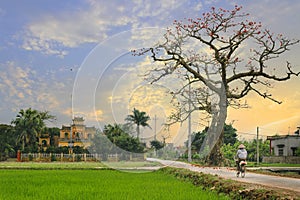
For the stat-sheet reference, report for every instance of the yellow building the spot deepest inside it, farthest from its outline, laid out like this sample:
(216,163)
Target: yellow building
(77,134)
(44,141)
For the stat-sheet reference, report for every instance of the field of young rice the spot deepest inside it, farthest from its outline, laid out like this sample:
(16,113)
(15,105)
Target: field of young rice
(95,184)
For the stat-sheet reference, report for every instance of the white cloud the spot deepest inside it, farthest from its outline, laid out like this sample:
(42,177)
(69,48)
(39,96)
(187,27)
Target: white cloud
(22,87)
(53,34)
(14,78)
(49,47)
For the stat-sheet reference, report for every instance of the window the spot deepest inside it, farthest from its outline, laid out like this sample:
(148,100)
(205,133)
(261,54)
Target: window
(294,149)
(280,152)
(280,149)
(44,143)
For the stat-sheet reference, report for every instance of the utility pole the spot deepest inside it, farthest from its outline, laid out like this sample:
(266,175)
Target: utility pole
(189,129)
(155,127)
(257,146)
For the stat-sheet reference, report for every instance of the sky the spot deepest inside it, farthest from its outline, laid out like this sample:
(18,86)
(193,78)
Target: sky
(73,58)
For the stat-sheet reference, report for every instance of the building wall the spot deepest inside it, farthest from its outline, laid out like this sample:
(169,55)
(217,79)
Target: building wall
(283,146)
(80,133)
(282,159)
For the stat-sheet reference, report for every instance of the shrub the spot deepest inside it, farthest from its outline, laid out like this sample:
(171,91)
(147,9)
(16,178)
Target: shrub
(30,157)
(78,158)
(53,158)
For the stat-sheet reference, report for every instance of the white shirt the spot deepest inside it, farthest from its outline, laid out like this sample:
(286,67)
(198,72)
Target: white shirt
(241,154)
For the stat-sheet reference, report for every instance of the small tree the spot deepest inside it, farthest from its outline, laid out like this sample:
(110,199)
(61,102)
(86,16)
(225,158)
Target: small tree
(223,56)
(156,144)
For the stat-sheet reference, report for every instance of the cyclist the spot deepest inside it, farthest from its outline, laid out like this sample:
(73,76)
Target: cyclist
(241,155)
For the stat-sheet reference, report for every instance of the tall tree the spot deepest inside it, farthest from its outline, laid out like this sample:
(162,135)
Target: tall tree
(223,56)
(229,134)
(139,118)
(7,140)
(29,124)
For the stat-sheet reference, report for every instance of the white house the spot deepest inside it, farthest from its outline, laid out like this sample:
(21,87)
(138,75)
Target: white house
(284,145)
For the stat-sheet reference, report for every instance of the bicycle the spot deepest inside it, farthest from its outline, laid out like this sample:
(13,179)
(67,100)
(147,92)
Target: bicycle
(242,169)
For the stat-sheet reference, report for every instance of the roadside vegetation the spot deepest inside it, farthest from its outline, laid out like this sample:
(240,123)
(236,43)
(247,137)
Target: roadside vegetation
(233,189)
(229,147)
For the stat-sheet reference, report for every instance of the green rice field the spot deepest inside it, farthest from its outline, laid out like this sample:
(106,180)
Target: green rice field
(95,184)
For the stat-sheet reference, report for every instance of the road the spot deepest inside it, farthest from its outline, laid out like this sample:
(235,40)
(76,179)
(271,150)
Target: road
(228,173)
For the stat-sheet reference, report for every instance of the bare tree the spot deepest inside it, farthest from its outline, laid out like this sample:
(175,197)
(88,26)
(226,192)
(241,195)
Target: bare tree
(223,55)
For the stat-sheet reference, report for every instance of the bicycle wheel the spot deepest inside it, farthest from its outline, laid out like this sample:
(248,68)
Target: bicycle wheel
(243,171)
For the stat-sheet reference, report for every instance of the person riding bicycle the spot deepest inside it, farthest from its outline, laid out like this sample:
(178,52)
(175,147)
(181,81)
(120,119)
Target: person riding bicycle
(241,155)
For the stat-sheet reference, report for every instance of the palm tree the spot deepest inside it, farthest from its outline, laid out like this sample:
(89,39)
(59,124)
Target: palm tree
(29,124)
(7,140)
(139,119)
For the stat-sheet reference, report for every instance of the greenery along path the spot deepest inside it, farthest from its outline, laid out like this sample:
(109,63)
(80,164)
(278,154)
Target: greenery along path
(292,184)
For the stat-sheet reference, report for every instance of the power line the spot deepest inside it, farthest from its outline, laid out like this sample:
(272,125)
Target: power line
(273,131)
(245,133)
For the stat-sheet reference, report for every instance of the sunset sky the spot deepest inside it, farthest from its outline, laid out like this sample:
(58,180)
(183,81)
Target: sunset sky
(73,57)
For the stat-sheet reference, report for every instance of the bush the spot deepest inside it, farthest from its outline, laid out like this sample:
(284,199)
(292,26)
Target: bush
(30,157)
(78,158)
(53,158)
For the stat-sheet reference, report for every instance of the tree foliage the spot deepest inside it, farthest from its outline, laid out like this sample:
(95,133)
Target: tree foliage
(116,134)
(7,140)
(138,118)
(229,137)
(29,124)
(229,150)
(156,144)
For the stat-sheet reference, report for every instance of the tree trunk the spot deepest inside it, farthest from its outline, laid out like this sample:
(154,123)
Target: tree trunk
(215,157)
(138,132)
(211,147)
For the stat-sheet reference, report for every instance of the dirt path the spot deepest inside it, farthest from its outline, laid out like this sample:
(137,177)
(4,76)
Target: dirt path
(292,184)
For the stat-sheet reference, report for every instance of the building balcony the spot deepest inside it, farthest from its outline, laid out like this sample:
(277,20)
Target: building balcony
(73,140)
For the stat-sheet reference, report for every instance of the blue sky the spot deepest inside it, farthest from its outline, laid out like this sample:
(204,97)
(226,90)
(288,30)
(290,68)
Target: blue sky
(71,57)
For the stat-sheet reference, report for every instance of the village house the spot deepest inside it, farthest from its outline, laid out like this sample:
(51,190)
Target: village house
(284,145)
(283,149)
(77,134)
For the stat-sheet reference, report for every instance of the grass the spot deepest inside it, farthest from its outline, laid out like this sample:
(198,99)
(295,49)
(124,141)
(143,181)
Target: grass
(278,165)
(96,184)
(75,165)
(121,164)
(52,165)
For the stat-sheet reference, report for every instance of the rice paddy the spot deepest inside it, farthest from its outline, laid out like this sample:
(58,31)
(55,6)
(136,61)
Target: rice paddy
(95,184)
